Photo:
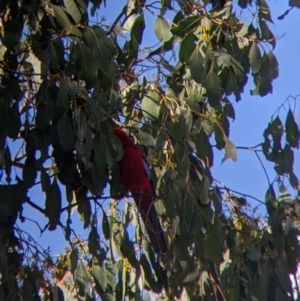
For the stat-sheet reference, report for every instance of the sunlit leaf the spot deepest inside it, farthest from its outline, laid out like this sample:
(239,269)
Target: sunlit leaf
(162,29)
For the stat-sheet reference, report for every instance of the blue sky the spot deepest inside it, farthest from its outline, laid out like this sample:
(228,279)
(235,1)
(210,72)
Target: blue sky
(252,117)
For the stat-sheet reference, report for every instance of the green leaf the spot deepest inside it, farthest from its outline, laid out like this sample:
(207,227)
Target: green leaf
(45,180)
(146,139)
(253,254)
(186,26)
(12,30)
(162,29)
(72,10)
(292,131)
(229,109)
(29,173)
(84,206)
(99,156)
(255,58)
(287,159)
(81,279)
(85,65)
(14,125)
(204,148)
(121,285)
(61,17)
(213,91)
(266,33)
(274,66)
(211,245)
(44,113)
(205,184)
(102,53)
(187,47)
(150,105)
(294,180)
(105,226)
(270,200)
(136,35)
(196,62)
(93,241)
(99,274)
(53,205)
(230,150)
(65,133)
(73,259)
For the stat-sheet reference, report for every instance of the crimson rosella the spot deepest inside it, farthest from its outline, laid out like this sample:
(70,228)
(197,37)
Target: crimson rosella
(135,178)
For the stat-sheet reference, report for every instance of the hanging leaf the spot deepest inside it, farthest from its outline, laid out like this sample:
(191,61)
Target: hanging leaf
(230,150)
(99,274)
(105,226)
(292,131)
(187,47)
(255,57)
(65,133)
(213,91)
(270,200)
(81,278)
(53,205)
(196,62)
(150,105)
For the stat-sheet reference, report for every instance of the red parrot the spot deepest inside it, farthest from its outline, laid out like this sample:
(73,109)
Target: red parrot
(135,178)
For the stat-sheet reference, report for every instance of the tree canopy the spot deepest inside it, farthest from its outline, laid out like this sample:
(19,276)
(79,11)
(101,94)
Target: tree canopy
(67,78)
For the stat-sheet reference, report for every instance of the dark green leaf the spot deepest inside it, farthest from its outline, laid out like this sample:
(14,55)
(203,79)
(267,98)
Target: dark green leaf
(266,33)
(186,26)
(99,274)
(105,226)
(274,69)
(211,245)
(72,10)
(12,33)
(187,47)
(292,131)
(84,206)
(294,180)
(270,200)
(14,125)
(136,35)
(231,84)
(53,205)
(65,133)
(93,241)
(99,155)
(7,163)
(204,148)
(73,259)
(29,173)
(253,254)
(294,3)
(287,159)
(196,62)
(229,109)
(45,180)
(44,114)
(213,91)
(85,64)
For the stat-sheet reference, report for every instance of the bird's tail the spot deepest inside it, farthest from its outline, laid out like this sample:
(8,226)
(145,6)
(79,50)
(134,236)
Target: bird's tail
(155,231)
